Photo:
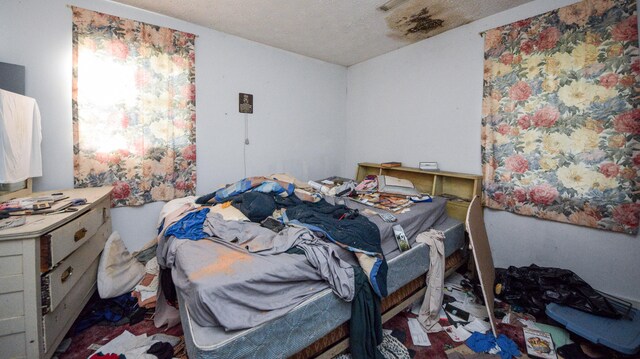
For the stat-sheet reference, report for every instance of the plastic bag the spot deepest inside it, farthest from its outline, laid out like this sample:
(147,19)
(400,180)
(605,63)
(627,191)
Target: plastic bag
(118,271)
(534,287)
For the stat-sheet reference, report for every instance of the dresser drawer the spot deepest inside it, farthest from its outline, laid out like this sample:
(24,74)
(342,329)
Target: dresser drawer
(56,324)
(56,284)
(59,243)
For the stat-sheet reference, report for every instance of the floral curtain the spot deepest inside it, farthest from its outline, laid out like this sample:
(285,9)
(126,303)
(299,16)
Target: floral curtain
(133,108)
(560,117)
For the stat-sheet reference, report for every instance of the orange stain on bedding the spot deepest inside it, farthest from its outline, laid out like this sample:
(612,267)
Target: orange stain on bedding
(225,264)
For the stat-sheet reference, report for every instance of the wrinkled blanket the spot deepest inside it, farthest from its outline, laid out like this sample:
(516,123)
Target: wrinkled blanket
(348,229)
(226,285)
(240,277)
(299,276)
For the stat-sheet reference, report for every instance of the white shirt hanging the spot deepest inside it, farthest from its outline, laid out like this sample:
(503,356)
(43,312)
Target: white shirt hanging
(20,138)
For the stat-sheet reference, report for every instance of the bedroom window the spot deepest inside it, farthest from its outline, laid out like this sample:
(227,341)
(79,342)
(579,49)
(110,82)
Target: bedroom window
(133,108)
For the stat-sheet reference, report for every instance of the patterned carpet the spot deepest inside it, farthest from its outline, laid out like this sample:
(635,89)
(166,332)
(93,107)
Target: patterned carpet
(100,335)
(439,341)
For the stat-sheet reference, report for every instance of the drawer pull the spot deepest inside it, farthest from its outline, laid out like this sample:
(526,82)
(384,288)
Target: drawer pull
(66,274)
(80,234)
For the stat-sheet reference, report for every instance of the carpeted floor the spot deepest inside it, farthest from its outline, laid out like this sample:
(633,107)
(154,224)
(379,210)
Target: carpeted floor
(83,343)
(98,334)
(439,341)
(80,344)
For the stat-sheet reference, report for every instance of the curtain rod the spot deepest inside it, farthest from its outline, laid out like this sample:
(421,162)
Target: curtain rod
(71,6)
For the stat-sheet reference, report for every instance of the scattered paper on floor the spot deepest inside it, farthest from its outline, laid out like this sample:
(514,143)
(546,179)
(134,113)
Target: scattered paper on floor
(478,311)
(457,334)
(133,346)
(454,280)
(418,336)
(478,325)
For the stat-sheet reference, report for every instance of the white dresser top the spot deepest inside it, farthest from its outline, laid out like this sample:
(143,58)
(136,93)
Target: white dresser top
(39,224)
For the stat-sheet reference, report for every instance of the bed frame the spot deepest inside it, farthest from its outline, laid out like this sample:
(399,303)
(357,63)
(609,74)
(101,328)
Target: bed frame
(460,188)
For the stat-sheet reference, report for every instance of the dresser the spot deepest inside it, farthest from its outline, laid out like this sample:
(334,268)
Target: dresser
(48,270)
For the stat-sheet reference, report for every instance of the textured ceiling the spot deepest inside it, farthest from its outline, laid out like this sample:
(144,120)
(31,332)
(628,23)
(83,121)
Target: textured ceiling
(338,31)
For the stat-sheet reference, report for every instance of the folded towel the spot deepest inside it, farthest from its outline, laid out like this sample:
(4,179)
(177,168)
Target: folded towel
(20,138)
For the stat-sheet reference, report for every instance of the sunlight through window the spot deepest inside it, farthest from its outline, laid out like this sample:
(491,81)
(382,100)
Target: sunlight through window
(106,84)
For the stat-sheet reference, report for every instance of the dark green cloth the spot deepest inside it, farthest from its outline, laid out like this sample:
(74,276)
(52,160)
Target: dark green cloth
(365,327)
(294,250)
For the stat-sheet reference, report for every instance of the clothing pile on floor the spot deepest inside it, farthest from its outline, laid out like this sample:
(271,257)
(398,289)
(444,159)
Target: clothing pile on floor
(146,290)
(533,287)
(128,345)
(116,311)
(464,318)
(122,272)
(561,297)
(128,289)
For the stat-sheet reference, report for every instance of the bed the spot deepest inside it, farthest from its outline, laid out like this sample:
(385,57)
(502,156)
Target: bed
(299,332)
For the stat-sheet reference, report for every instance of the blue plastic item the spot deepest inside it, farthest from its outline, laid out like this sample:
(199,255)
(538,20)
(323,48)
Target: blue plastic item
(423,198)
(622,335)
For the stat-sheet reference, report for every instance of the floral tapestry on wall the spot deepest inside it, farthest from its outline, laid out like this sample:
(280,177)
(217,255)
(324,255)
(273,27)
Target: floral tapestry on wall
(133,108)
(560,117)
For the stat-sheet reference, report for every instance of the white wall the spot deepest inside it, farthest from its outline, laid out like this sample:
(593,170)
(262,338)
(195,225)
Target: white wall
(423,103)
(419,103)
(300,105)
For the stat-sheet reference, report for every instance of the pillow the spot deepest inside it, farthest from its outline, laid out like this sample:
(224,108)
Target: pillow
(229,213)
(118,270)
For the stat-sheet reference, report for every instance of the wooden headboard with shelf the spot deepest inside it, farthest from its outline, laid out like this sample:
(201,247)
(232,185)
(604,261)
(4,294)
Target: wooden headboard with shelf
(460,188)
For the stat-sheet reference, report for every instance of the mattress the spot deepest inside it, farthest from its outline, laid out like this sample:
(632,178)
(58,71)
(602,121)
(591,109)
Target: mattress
(224,284)
(286,335)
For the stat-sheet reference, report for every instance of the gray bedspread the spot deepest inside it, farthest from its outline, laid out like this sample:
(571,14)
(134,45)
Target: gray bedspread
(309,321)
(420,217)
(226,285)
(242,283)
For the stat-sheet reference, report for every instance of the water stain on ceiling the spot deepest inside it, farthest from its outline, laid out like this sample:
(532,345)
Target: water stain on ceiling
(417,20)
